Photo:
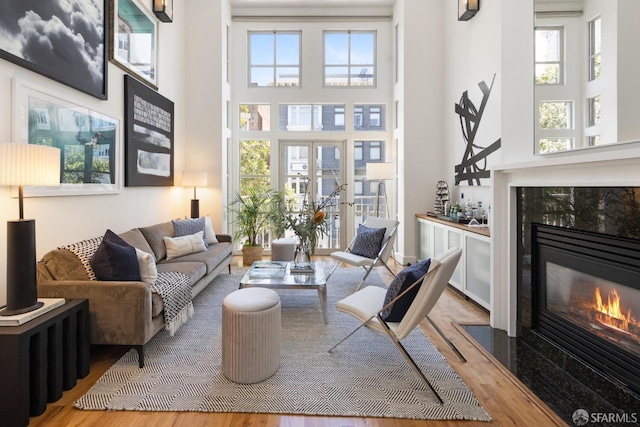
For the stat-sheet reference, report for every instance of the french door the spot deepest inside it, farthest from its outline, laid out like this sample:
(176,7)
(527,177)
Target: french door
(315,169)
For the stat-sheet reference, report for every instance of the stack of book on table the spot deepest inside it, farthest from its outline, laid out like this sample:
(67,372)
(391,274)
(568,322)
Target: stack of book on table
(21,319)
(296,269)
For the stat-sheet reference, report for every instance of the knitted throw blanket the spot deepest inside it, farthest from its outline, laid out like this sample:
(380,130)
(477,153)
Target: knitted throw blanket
(174,288)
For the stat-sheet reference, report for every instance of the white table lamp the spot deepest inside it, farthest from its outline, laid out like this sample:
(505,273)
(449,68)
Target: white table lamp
(194,179)
(379,172)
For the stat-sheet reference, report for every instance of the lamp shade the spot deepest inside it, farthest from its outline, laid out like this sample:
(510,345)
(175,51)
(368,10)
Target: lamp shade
(194,178)
(29,164)
(380,171)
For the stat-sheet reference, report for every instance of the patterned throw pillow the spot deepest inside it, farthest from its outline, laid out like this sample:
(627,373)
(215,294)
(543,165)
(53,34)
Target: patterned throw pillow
(400,283)
(188,227)
(115,259)
(184,245)
(368,241)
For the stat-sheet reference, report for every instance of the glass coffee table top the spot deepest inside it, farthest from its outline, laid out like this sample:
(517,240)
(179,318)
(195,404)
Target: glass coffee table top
(278,275)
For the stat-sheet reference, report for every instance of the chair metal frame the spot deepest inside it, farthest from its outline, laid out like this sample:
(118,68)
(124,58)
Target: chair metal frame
(368,264)
(401,329)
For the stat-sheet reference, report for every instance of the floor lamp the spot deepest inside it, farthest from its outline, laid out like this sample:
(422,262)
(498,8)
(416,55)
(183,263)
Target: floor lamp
(379,172)
(194,179)
(24,164)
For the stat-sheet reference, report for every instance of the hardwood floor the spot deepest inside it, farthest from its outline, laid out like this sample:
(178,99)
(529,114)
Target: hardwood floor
(502,396)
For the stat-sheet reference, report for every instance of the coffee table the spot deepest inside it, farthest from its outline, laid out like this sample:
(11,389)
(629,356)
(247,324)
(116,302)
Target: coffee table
(277,275)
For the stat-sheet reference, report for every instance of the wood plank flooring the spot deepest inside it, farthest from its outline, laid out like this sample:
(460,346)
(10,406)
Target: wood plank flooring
(503,397)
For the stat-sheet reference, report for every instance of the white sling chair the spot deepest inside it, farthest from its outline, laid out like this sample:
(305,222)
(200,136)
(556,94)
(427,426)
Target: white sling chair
(383,255)
(367,304)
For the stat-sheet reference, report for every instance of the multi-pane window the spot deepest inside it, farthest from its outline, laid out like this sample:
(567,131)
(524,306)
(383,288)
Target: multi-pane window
(594,110)
(593,140)
(553,145)
(549,55)
(255,117)
(595,45)
(274,59)
(312,117)
(375,150)
(555,115)
(349,58)
(369,117)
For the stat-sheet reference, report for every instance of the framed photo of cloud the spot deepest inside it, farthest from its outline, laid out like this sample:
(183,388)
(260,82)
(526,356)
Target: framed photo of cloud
(34,33)
(149,134)
(134,40)
(89,141)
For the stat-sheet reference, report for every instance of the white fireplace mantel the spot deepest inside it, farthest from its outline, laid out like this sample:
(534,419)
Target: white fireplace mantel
(612,167)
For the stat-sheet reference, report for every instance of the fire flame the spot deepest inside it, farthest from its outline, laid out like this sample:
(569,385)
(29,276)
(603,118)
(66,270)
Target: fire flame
(611,310)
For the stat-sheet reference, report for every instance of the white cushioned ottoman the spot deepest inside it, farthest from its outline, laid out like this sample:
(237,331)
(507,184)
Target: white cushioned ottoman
(283,249)
(250,335)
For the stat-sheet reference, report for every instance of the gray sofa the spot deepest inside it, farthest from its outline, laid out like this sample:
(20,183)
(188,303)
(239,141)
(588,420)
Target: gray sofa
(128,313)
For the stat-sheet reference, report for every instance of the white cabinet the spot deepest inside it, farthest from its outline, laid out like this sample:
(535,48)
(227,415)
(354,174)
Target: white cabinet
(471,275)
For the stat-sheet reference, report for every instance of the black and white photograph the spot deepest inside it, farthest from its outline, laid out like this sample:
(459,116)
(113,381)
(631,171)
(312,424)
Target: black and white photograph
(148,137)
(64,40)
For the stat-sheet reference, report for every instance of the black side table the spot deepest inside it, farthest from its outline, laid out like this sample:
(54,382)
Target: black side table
(41,358)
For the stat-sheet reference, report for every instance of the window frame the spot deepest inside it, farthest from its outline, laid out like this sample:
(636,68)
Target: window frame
(561,56)
(275,66)
(348,65)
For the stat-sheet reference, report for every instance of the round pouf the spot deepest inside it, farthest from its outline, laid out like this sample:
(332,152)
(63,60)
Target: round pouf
(283,249)
(250,335)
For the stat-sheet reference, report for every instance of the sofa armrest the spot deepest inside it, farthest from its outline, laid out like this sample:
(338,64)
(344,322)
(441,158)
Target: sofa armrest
(224,238)
(119,312)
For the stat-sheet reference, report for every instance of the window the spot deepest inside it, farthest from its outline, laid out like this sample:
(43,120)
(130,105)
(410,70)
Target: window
(593,140)
(358,152)
(555,115)
(349,58)
(255,168)
(594,48)
(375,152)
(255,117)
(274,59)
(396,52)
(553,145)
(548,55)
(310,117)
(369,117)
(594,110)
(357,188)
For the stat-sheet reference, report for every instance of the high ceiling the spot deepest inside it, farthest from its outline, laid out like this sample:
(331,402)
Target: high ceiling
(311,3)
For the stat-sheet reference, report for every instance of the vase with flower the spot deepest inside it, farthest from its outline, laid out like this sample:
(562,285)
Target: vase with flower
(307,220)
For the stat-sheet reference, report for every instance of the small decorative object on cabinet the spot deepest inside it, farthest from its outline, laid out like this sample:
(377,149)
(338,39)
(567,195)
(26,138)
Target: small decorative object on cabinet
(442,196)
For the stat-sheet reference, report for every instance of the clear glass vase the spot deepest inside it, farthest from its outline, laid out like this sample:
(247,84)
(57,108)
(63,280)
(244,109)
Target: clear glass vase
(302,255)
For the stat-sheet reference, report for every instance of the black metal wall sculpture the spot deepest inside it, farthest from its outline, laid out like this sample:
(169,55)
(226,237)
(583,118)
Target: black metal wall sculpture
(474,166)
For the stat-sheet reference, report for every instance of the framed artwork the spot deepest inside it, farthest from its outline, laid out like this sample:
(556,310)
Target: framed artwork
(88,141)
(34,33)
(134,40)
(149,121)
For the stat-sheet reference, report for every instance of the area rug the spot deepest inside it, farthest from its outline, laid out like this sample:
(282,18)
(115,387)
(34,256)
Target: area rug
(365,376)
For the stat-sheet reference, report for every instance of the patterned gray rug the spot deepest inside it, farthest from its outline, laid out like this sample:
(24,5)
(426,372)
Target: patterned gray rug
(366,376)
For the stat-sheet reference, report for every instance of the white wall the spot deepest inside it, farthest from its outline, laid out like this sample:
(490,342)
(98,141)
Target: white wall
(61,220)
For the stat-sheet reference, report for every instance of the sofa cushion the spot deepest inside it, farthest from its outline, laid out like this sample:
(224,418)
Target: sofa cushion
(115,259)
(368,241)
(135,238)
(211,257)
(398,285)
(194,270)
(209,232)
(154,234)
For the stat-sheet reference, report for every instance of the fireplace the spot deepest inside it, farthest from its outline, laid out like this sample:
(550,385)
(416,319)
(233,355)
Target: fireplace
(586,289)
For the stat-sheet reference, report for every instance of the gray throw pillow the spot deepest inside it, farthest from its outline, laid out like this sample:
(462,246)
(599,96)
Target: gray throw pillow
(187,227)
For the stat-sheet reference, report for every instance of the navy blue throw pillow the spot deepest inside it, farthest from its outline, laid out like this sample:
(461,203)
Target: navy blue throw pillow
(368,241)
(115,259)
(400,283)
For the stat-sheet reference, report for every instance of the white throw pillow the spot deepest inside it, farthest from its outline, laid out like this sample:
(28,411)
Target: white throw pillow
(183,245)
(148,269)
(208,228)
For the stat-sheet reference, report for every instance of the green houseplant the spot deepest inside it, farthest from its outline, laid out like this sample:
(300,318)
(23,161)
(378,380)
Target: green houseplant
(254,212)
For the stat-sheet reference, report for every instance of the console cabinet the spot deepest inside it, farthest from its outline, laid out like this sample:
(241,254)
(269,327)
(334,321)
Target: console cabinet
(471,276)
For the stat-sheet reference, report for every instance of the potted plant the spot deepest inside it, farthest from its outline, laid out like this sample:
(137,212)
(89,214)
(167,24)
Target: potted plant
(253,213)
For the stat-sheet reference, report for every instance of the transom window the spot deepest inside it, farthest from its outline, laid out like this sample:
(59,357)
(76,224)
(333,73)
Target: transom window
(274,59)
(548,55)
(312,117)
(349,58)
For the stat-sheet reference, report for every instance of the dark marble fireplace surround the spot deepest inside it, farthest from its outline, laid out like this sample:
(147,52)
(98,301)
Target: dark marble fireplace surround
(562,380)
